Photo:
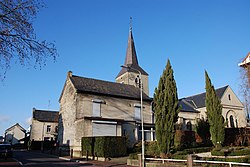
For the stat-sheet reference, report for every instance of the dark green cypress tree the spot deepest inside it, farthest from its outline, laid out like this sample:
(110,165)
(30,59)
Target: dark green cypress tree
(214,113)
(166,110)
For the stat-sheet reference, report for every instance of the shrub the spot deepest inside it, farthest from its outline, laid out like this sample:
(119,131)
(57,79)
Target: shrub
(133,156)
(184,139)
(179,156)
(238,152)
(198,150)
(106,146)
(152,149)
(88,145)
(232,151)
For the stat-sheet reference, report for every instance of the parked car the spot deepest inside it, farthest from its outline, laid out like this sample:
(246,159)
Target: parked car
(5,150)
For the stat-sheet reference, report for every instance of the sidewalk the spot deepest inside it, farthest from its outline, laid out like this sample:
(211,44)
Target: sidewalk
(117,162)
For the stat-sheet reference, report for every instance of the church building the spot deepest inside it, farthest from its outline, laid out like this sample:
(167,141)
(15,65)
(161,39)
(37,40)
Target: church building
(92,107)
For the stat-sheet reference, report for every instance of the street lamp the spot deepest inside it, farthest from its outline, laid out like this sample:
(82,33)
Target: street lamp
(142,127)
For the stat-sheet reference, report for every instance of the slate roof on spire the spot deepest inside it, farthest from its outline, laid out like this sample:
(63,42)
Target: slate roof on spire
(131,57)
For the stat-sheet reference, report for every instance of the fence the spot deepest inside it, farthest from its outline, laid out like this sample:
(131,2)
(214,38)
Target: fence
(198,161)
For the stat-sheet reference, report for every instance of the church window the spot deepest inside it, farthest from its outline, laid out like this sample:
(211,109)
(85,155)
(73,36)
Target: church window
(231,118)
(229,97)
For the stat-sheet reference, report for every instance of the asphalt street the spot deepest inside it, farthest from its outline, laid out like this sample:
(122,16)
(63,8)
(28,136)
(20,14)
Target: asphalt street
(38,159)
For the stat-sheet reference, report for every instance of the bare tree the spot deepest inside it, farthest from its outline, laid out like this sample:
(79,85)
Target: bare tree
(245,87)
(245,84)
(17,37)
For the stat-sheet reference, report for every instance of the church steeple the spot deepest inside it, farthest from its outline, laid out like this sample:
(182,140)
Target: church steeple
(129,75)
(131,57)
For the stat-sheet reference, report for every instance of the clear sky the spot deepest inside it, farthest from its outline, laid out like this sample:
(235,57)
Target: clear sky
(91,38)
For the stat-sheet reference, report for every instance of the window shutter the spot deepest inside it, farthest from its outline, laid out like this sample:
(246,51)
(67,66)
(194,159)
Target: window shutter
(96,109)
(137,113)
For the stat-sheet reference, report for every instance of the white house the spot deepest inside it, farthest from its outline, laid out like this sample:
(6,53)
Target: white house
(44,125)
(14,134)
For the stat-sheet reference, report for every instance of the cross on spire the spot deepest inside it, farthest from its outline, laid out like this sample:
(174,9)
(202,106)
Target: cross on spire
(130,24)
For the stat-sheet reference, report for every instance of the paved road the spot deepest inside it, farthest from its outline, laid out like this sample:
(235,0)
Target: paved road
(38,159)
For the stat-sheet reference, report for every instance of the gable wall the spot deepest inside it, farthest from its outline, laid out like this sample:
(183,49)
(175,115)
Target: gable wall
(67,115)
(234,101)
(14,134)
(233,107)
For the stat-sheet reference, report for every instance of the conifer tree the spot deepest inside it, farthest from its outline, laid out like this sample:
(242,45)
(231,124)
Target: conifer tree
(166,110)
(214,113)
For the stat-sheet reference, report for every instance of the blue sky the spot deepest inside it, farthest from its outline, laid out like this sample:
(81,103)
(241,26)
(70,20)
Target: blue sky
(91,38)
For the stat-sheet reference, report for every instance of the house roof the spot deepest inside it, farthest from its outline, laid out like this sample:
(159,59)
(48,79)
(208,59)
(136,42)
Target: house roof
(16,125)
(100,87)
(187,106)
(198,101)
(131,58)
(246,61)
(45,115)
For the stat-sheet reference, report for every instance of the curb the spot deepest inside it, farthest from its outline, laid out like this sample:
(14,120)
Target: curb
(72,160)
(63,158)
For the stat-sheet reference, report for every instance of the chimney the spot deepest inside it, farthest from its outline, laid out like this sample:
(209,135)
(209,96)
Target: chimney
(69,74)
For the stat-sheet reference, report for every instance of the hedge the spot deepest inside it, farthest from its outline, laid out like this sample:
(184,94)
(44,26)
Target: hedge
(233,151)
(104,146)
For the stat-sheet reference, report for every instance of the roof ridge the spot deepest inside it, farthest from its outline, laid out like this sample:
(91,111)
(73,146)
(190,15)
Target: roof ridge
(46,110)
(204,92)
(117,83)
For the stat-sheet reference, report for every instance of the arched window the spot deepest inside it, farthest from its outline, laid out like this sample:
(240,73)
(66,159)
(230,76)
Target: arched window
(189,125)
(231,121)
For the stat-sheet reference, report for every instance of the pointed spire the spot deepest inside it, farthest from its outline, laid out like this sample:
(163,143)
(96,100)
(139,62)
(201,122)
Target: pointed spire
(131,57)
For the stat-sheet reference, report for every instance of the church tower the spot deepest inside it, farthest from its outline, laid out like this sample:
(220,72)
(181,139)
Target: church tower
(130,75)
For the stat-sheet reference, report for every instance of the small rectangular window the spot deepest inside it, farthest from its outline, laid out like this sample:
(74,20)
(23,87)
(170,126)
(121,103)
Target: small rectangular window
(48,128)
(137,113)
(229,97)
(96,109)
